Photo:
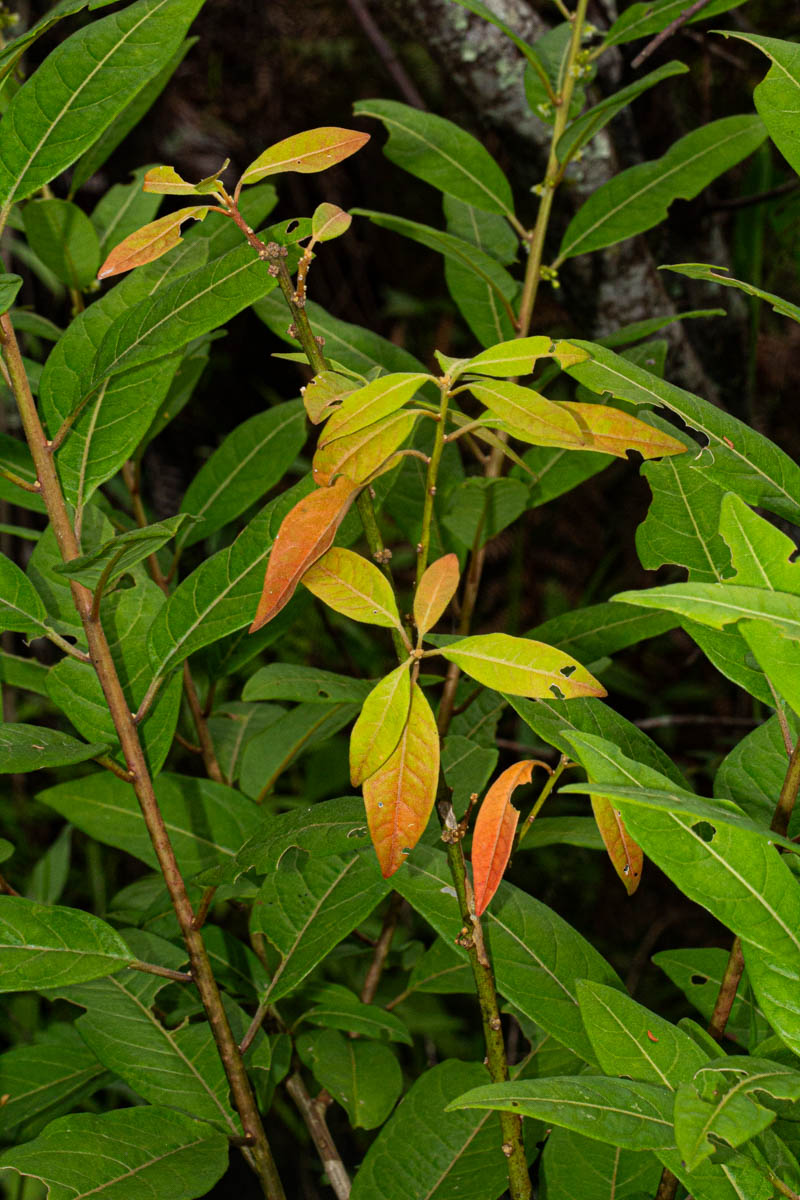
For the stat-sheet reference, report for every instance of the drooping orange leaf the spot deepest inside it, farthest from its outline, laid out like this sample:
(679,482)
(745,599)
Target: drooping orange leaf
(626,856)
(522,667)
(305,534)
(436,589)
(313,150)
(614,432)
(380,723)
(372,403)
(150,242)
(325,391)
(353,586)
(329,222)
(166,181)
(361,454)
(400,795)
(494,832)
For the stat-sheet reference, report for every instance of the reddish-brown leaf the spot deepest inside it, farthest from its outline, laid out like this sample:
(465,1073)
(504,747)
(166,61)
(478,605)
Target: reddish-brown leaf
(314,150)
(361,454)
(399,796)
(325,391)
(494,833)
(626,856)
(329,222)
(150,242)
(436,589)
(305,534)
(613,432)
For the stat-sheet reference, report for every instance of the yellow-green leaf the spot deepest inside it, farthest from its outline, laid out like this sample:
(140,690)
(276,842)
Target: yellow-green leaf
(380,724)
(362,454)
(528,416)
(626,856)
(329,221)
(613,432)
(517,357)
(399,796)
(353,586)
(150,242)
(305,534)
(166,181)
(371,403)
(326,390)
(436,589)
(314,150)
(522,667)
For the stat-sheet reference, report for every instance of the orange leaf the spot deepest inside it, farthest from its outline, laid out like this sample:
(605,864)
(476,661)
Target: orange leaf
(326,390)
(400,795)
(436,589)
(305,534)
(329,221)
(314,150)
(626,856)
(614,432)
(494,833)
(361,454)
(150,242)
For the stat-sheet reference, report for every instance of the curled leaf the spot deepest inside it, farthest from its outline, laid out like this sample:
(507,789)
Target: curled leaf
(305,534)
(399,796)
(494,833)
(353,586)
(325,391)
(166,181)
(380,723)
(329,222)
(436,589)
(150,242)
(626,856)
(314,150)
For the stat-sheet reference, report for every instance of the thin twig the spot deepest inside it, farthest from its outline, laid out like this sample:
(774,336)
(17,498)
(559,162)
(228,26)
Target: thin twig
(165,972)
(672,28)
(313,1113)
(6,889)
(382,946)
(386,54)
(19,482)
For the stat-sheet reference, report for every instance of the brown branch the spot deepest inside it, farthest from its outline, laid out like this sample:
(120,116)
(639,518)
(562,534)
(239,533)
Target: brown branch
(672,28)
(386,54)
(313,1113)
(381,949)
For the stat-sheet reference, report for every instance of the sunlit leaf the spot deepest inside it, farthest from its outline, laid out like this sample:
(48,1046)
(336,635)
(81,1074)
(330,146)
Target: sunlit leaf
(518,357)
(436,589)
(314,150)
(626,857)
(529,416)
(613,432)
(326,390)
(305,534)
(380,724)
(360,455)
(370,404)
(150,242)
(521,667)
(166,181)
(494,832)
(399,796)
(352,585)
(329,222)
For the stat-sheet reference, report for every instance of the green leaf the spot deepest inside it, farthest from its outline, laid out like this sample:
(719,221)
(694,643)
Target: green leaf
(43,944)
(752,774)
(698,973)
(364,1077)
(269,753)
(538,958)
(251,460)
(467,767)
(189,307)
(16,457)
(31,747)
(124,1154)
(123,552)
(207,822)
(336,1007)
(81,87)
(715,275)
(486,504)
(441,154)
(629,1114)
(374,402)
(21,607)
(584,128)
(123,209)
(65,240)
(482,265)
(291,681)
(682,523)
(777,97)
(600,629)
(739,459)
(25,673)
(604,1172)
(53,1075)
(520,666)
(380,724)
(639,198)
(720,604)
(307,905)
(424,1150)
(651,16)
(74,686)
(552,471)
(475,299)
(9,286)
(442,970)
